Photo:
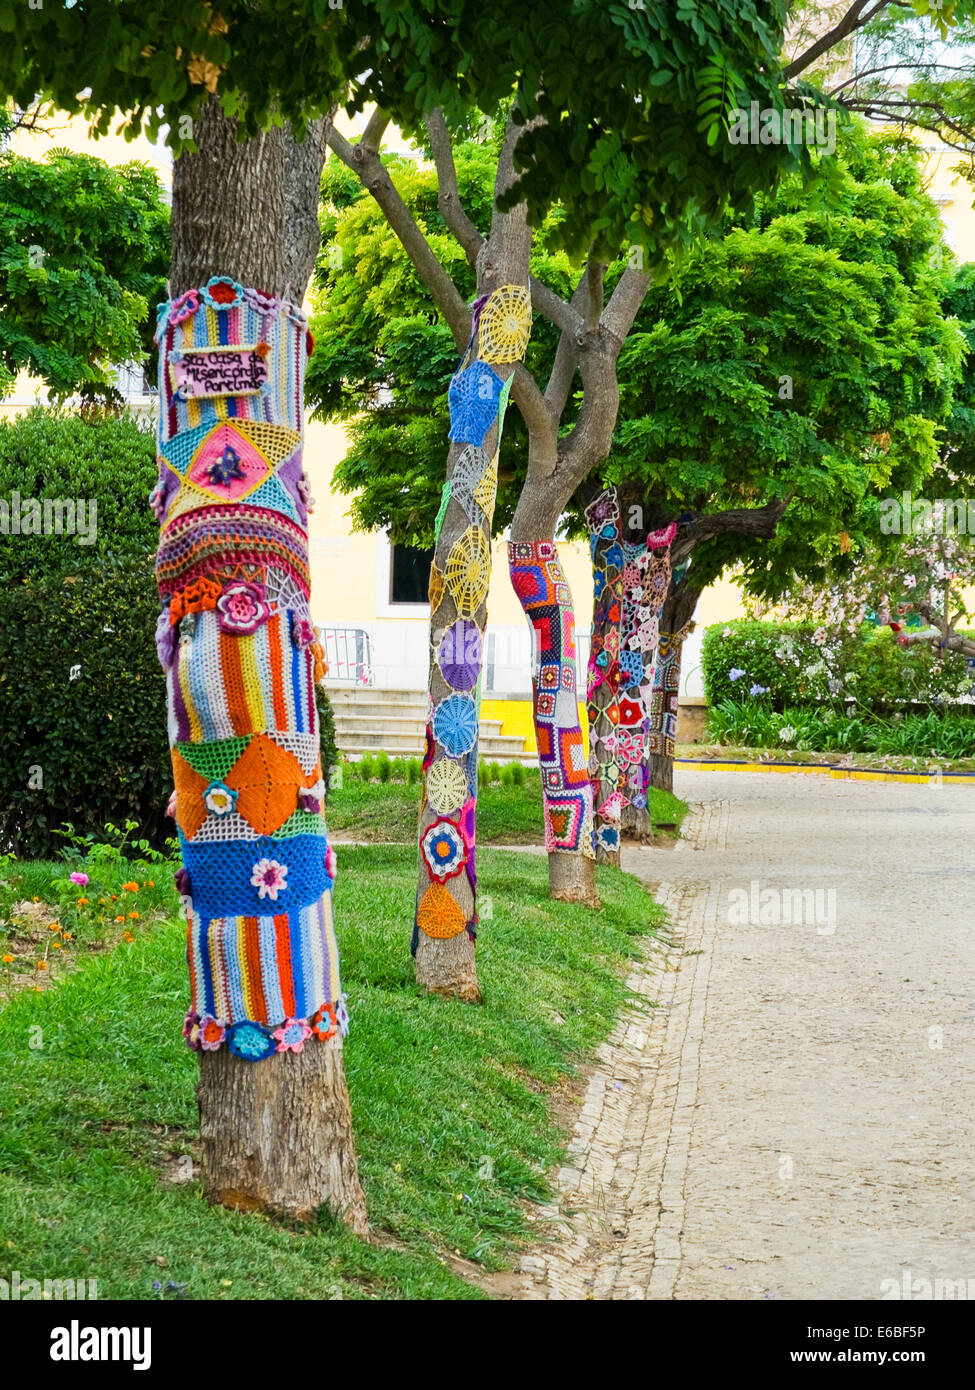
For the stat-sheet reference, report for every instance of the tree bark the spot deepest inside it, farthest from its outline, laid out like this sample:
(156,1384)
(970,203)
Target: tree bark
(277,1133)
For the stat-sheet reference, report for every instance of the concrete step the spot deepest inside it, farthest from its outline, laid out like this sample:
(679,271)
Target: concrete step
(373,709)
(367,694)
(491,755)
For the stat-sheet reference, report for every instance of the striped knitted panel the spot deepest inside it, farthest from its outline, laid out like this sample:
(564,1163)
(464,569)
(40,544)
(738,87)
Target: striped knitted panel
(539,581)
(242,658)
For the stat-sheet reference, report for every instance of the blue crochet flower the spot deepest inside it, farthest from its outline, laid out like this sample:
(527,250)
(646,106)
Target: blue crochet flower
(473,400)
(251,1041)
(455,724)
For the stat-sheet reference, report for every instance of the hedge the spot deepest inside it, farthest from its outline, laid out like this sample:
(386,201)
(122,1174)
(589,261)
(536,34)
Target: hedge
(82,695)
(794,669)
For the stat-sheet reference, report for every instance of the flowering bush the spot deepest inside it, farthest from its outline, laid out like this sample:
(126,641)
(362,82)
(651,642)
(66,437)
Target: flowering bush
(802,663)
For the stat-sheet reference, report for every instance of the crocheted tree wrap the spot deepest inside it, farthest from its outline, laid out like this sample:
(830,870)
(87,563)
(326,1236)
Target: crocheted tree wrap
(459,580)
(665,687)
(630,582)
(242,656)
(539,581)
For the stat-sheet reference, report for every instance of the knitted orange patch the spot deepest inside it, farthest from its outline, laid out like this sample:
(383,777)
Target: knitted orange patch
(439,915)
(267,778)
(200,596)
(191,809)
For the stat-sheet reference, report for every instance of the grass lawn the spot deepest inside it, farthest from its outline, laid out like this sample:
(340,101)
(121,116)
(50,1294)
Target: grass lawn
(387,811)
(451,1102)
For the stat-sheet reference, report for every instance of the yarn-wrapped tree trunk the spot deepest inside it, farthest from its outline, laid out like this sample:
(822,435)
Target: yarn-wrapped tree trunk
(630,581)
(591,335)
(240,650)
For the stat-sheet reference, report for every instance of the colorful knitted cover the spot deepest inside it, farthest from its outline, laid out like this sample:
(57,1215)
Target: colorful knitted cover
(459,579)
(538,580)
(237,642)
(666,683)
(629,587)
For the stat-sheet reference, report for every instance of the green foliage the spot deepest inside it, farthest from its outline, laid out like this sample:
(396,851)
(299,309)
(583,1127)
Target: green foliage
(619,86)
(948,734)
(800,664)
(383,767)
(109,464)
(84,252)
(808,352)
(326,728)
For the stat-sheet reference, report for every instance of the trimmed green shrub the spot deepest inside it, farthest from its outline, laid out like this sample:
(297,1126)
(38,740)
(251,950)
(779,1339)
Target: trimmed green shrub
(48,455)
(518,774)
(383,767)
(367,767)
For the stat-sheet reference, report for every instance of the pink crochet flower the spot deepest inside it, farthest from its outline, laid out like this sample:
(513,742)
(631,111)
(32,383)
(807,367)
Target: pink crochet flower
(242,607)
(269,878)
(184,307)
(304,492)
(291,1035)
(330,864)
(303,632)
(211,1033)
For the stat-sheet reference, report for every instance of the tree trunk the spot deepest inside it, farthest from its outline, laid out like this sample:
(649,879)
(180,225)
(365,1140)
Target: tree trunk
(445,924)
(538,580)
(236,638)
(675,624)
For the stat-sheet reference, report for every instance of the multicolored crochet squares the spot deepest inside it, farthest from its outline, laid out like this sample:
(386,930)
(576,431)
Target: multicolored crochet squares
(629,587)
(460,576)
(242,658)
(539,581)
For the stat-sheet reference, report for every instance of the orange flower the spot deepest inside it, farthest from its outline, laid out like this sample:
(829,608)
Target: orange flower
(54,926)
(42,965)
(127,936)
(134,916)
(82,902)
(149,883)
(7,960)
(120,918)
(131,887)
(55,945)
(67,936)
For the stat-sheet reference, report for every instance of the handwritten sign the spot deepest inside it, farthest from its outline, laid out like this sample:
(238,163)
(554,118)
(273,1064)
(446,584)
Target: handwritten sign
(220,371)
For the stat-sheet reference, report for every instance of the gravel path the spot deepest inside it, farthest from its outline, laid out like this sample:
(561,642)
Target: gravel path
(791,1114)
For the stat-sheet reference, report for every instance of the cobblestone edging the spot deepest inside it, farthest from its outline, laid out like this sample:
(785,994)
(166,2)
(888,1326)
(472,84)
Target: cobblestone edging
(620,1213)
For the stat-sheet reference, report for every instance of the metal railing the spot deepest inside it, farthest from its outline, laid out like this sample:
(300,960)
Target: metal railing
(348,652)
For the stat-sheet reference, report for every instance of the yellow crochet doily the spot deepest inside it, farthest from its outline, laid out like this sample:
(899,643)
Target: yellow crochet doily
(439,915)
(506,322)
(468,571)
(446,786)
(486,492)
(437,589)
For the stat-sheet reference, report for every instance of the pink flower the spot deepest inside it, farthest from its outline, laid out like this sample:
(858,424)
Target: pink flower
(304,492)
(81,879)
(291,1035)
(330,865)
(269,878)
(242,607)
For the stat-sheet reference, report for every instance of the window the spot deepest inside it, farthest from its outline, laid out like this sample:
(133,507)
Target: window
(409,574)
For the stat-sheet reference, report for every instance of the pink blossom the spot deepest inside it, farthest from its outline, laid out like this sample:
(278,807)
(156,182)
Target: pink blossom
(78,878)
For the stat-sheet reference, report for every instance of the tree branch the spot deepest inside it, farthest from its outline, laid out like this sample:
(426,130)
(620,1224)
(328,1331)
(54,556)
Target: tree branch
(760,522)
(624,304)
(855,18)
(364,161)
(448,198)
